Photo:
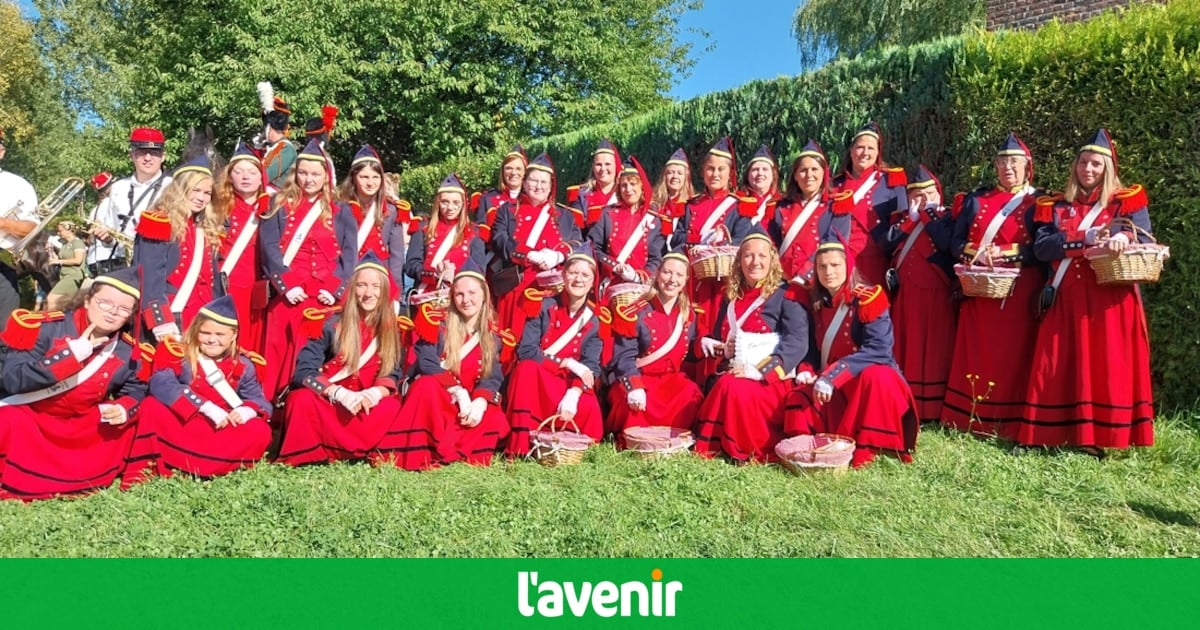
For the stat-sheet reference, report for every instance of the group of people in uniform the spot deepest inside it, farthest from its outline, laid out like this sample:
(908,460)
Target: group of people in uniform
(262,308)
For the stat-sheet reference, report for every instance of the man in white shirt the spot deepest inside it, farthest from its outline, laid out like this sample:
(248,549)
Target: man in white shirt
(127,200)
(18,215)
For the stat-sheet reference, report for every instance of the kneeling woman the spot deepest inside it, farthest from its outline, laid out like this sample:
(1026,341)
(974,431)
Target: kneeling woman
(66,426)
(559,360)
(452,410)
(343,397)
(206,412)
(860,393)
(652,337)
(764,336)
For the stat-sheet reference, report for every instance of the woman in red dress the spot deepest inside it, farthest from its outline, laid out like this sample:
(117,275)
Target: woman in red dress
(558,365)
(924,312)
(671,193)
(590,198)
(627,239)
(343,395)
(651,338)
(508,189)
(875,193)
(308,246)
(760,188)
(374,214)
(71,392)
(993,344)
(859,392)
(177,245)
(1090,384)
(804,218)
(452,411)
(241,198)
(443,247)
(764,337)
(206,414)
(530,236)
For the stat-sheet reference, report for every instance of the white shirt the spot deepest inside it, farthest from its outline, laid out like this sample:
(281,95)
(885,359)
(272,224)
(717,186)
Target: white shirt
(18,200)
(117,205)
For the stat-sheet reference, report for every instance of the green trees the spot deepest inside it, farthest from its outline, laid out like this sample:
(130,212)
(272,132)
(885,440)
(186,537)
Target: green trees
(851,27)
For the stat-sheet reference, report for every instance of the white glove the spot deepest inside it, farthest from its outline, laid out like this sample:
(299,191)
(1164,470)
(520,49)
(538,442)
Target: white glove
(351,400)
(636,399)
(295,294)
(552,257)
(396,306)
(121,416)
(823,386)
(214,413)
(475,413)
(712,347)
(162,331)
(806,378)
(325,297)
(799,280)
(82,348)
(628,274)
(1120,236)
(462,399)
(750,372)
(569,405)
(914,212)
(580,370)
(371,396)
(245,414)
(536,257)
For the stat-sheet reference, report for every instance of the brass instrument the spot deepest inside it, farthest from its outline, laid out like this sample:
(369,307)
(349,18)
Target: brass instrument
(116,235)
(47,210)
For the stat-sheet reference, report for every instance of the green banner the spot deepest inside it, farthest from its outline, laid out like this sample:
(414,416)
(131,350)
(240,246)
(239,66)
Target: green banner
(598,593)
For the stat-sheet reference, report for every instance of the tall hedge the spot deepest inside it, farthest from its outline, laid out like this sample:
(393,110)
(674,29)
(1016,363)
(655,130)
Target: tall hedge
(947,104)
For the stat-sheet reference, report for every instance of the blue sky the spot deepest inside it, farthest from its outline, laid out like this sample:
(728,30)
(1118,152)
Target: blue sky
(749,39)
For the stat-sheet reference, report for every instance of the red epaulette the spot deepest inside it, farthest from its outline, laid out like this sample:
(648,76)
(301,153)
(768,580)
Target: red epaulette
(872,302)
(843,202)
(147,356)
(605,315)
(403,210)
(1043,212)
(428,320)
(573,193)
(155,225)
(957,206)
(255,358)
(264,204)
(21,333)
(1132,199)
(747,206)
(626,318)
(414,225)
(576,214)
(173,347)
(404,323)
(531,300)
(314,320)
(356,209)
(475,197)
(508,343)
(896,176)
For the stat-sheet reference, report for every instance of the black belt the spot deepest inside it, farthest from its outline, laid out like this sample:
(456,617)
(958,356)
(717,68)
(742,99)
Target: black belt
(105,266)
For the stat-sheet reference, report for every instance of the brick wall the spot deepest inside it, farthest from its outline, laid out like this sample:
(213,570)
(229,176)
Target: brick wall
(1017,14)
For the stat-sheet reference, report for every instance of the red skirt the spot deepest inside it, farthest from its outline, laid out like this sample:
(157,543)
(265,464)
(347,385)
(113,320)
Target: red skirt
(252,324)
(43,456)
(426,433)
(198,448)
(875,408)
(924,320)
(871,263)
(533,395)
(742,418)
(511,309)
(288,335)
(318,431)
(993,348)
(707,296)
(1090,383)
(672,399)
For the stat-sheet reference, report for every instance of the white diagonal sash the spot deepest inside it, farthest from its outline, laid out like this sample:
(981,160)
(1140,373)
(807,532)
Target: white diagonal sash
(240,245)
(1084,226)
(364,230)
(908,244)
(794,229)
(71,382)
(193,272)
(761,212)
(538,226)
(717,215)
(668,345)
(735,322)
(584,316)
(302,231)
(367,354)
(443,250)
(994,225)
(866,186)
(634,238)
(834,326)
(216,378)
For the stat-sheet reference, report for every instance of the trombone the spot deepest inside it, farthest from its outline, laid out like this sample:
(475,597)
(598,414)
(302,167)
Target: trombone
(47,210)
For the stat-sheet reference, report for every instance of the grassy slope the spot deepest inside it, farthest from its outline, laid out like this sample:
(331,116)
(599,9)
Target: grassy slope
(963,497)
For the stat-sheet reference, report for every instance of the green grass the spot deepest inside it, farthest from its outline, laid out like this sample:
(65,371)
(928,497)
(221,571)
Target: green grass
(962,497)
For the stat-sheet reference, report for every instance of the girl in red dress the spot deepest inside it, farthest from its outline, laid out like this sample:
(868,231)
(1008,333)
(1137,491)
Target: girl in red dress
(671,194)
(530,236)
(763,336)
(443,247)
(558,356)
(876,196)
(1090,384)
(508,189)
(651,338)
(760,188)
(71,384)
(343,395)
(241,198)
(452,409)
(993,344)
(626,238)
(859,392)
(375,215)
(804,218)
(177,245)
(206,411)
(590,198)
(308,246)
(924,312)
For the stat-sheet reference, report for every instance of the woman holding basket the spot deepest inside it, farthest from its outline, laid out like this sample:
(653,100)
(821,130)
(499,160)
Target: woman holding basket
(1090,384)
(993,344)
(437,252)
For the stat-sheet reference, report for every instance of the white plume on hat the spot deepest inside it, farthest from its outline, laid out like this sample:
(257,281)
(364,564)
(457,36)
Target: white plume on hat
(266,96)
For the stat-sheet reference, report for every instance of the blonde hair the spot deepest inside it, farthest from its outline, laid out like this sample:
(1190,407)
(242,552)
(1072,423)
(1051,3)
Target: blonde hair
(175,203)
(292,194)
(191,341)
(435,217)
(661,196)
(348,191)
(1108,187)
(347,339)
(736,284)
(457,331)
(683,301)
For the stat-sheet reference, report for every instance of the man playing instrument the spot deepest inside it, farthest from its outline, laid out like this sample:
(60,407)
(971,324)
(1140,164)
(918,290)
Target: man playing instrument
(128,198)
(18,205)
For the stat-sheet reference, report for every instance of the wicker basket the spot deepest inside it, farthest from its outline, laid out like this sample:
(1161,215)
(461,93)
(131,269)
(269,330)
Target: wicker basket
(657,442)
(439,297)
(713,262)
(1139,262)
(987,281)
(805,454)
(624,293)
(549,280)
(558,448)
